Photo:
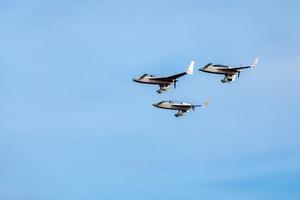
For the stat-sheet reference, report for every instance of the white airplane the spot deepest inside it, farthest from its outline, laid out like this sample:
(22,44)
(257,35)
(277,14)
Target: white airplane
(182,107)
(166,81)
(229,72)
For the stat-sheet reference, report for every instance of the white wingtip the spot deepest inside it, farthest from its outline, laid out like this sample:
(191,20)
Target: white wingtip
(190,69)
(206,102)
(255,62)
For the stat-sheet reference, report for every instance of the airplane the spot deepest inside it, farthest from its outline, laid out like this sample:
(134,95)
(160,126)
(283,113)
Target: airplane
(183,108)
(166,81)
(229,72)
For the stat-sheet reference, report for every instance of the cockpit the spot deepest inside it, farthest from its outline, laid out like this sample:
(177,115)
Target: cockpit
(143,76)
(165,102)
(161,102)
(221,66)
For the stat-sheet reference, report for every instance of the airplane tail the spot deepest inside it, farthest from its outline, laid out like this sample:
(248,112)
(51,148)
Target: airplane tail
(255,63)
(206,102)
(204,105)
(190,69)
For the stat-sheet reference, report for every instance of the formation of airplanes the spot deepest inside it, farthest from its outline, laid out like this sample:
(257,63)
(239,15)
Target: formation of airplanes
(165,82)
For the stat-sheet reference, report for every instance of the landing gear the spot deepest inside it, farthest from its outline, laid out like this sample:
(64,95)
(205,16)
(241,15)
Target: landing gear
(180,113)
(159,91)
(224,80)
(163,88)
(228,78)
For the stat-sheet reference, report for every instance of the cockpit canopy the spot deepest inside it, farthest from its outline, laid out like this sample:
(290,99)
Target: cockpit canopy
(223,66)
(143,76)
(146,75)
(165,102)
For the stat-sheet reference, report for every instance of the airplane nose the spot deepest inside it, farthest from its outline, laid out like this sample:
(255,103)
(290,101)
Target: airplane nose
(135,79)
(155,105)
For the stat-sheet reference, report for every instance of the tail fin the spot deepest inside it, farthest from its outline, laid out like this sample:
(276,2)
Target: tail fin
(206,102)
(255,63)
(190,69)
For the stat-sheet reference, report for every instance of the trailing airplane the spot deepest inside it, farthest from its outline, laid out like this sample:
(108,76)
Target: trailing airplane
(182,107)
(229,72)
(166,81)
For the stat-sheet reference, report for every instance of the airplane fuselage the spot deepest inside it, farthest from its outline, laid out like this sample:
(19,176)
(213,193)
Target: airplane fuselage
(218,70)
(148,80)
(164,85)
(172,106)
(181,107)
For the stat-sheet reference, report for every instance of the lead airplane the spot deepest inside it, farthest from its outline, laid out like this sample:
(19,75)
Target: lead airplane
(164,82)
(183,108)
(230,72)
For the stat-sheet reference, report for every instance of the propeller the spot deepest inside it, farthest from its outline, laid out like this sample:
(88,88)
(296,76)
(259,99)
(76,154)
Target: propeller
(194,106)
(239,74)
(175,83)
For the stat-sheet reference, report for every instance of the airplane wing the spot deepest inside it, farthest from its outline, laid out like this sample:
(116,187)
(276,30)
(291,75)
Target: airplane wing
(168,78)
(205,104)
(182,105)
(189,71)
(234,69)
(237,69)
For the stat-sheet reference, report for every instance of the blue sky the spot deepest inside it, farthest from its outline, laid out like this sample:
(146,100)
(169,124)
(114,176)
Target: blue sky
(73,125)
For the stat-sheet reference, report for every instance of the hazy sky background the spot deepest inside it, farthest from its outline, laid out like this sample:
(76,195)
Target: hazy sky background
(73,125)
